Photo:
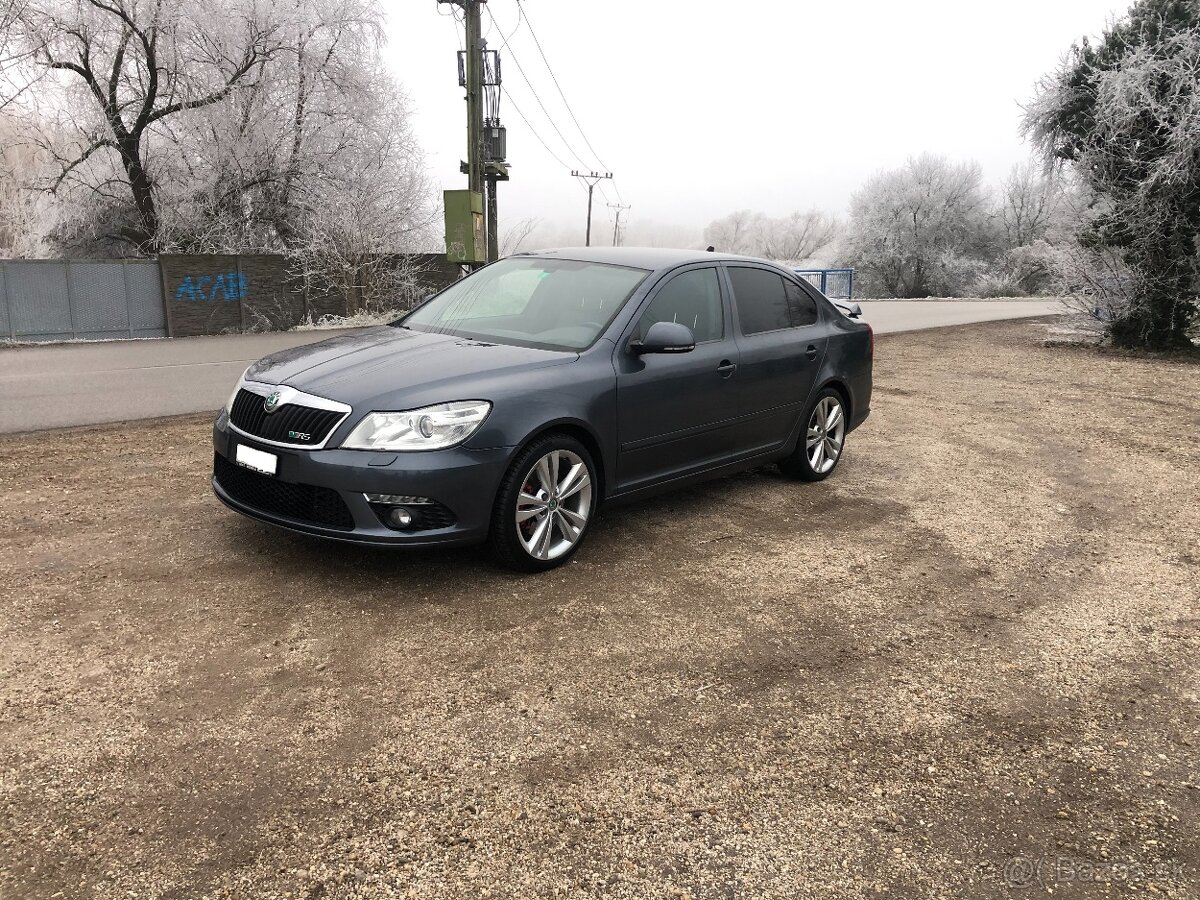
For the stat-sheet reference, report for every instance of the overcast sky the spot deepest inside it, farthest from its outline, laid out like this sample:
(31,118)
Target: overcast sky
(701,108)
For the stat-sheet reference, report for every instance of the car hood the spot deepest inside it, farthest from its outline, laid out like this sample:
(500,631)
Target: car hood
(398,366)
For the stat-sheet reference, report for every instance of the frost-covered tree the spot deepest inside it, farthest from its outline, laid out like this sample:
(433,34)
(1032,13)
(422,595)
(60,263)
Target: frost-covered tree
(1124,116)
(24,213)
(923,229)
(792,238)
(12,52)
(1034,212)
(118,75)
(1030,205)
(515,235)
(223,125)
(325,120)
(733,233)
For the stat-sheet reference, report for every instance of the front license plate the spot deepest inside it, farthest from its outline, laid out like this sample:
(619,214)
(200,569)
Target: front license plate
(256,459)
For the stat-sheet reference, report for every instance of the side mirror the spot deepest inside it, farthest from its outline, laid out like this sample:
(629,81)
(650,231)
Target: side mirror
(666,337)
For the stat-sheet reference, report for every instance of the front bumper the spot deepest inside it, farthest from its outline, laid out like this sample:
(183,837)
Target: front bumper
(463,481)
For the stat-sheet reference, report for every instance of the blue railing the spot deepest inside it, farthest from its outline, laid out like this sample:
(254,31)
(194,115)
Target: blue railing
(836,284)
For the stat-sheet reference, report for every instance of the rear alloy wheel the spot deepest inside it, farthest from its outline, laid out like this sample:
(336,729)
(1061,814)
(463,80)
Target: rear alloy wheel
(820,447)
(545,504)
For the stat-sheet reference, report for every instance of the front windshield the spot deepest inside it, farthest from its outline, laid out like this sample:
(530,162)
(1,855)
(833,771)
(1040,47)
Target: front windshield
(531,301)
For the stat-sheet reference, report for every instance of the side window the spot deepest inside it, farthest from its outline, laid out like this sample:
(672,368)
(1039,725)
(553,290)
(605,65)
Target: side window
(801,304)
(762,304)
(692,299)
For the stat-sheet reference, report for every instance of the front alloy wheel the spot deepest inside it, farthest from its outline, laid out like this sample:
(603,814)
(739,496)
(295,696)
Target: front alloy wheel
(544,505)
(554,505)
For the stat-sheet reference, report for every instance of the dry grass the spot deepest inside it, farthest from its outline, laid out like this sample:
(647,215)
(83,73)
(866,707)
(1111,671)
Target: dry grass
(978,641)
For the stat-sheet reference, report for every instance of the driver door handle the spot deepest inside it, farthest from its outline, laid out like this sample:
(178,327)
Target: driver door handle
(811,351)
(726,368)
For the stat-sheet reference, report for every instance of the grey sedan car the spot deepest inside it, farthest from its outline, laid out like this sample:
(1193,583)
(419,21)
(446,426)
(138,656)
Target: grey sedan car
(509,406)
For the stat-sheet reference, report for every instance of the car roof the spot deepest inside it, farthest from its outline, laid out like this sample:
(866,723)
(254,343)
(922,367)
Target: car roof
(652,258)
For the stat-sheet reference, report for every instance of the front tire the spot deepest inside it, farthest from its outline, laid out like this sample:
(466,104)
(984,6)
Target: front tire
(545,504)
(823,440)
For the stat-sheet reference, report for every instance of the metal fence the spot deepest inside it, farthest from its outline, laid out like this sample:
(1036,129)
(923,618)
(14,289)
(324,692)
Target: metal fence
(837,284)
(62,299)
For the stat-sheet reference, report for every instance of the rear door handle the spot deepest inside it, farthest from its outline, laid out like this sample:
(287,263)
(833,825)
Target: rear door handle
(726,368)
(811,351)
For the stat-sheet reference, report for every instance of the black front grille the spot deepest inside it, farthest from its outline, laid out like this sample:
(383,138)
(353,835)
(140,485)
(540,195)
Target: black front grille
(289,424)
(303,502)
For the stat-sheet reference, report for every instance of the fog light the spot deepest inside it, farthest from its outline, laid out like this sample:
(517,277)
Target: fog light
(400,517)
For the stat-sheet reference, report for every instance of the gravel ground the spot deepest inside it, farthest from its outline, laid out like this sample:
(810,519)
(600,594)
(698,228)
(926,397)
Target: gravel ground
(967,665)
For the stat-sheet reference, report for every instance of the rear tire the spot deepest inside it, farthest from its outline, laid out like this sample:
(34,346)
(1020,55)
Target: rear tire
(545,505)
(823,440)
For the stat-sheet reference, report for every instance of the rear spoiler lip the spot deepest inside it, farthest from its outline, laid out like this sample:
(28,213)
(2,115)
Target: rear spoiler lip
(850,309)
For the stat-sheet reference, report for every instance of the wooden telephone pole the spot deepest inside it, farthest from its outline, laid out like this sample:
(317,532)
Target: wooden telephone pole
(479,75)
(620,208)
(592,179)
(473,64)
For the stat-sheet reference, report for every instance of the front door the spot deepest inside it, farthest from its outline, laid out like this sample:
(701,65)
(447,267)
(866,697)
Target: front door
(676,411)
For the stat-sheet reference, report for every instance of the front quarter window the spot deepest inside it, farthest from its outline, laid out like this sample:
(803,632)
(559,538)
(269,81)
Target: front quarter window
(692,299)
(557,304)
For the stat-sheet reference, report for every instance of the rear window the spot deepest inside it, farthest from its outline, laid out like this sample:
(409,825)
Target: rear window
(762,303)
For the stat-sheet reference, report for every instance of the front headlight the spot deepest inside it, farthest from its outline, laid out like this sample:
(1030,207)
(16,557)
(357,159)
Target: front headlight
(237,387)
(429,428)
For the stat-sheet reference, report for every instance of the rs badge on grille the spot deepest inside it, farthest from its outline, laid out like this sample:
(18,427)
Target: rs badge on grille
(271,403)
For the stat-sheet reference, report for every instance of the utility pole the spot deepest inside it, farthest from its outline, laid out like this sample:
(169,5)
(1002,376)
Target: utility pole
(474,77)
(479,75)
(495,170)
(592,179)
(620,208)
(493,220)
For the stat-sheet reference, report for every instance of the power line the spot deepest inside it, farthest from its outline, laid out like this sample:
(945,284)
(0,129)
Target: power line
(505,44)
(529,84)
(533,130)
(516,28)
(455,21)
(566,103)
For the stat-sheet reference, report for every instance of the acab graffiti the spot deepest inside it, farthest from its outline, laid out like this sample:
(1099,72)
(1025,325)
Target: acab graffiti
(227,286)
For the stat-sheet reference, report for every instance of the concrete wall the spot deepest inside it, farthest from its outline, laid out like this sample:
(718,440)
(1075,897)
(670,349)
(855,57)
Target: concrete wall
(219,294)
(181,295)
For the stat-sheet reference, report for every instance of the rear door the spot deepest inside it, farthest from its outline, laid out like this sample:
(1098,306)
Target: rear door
(676,411)
(781,342)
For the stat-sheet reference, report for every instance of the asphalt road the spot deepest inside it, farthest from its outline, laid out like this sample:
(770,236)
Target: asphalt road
(85,384)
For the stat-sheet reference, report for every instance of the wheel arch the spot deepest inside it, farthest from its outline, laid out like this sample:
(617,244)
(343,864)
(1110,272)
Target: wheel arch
(798,429)
(842,388)
(580,432)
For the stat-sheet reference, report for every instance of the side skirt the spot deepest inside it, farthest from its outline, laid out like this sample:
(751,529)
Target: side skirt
(671,484)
